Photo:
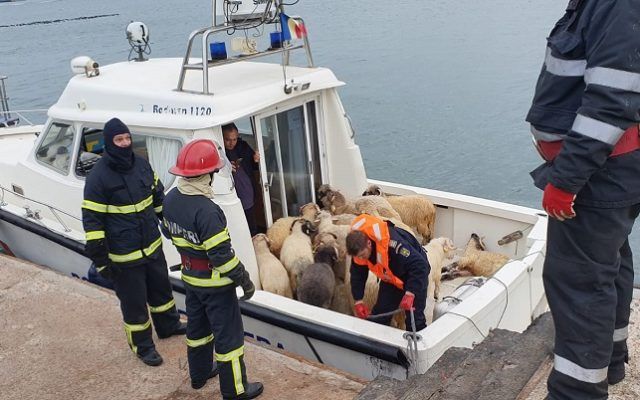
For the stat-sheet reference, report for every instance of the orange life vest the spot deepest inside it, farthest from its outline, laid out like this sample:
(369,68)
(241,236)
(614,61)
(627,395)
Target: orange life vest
(377,230)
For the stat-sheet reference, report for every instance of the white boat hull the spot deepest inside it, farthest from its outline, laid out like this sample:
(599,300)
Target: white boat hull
(510,300)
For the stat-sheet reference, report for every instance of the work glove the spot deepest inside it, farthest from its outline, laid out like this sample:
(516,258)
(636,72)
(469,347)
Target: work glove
(407,301)
(247,286)
(558,203)
(362,311)
(108,271)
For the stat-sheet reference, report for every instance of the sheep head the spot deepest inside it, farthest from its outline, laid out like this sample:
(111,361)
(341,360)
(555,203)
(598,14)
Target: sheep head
(327,254)
(325,239)
(323,190)
(304,226)
(309,211)
(373,190)
(261,240)
(475,243)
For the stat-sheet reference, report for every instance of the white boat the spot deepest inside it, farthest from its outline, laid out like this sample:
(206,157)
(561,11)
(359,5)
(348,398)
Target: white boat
(304,135)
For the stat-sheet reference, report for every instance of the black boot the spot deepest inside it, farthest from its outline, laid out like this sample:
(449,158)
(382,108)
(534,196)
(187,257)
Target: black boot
(151,358)
(214,372)
(252,390)
(615,374)
(181,329)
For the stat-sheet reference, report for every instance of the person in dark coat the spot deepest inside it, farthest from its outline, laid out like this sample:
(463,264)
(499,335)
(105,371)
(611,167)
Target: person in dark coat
(211,271)
(244,161)
(395,256)
(584,119)
(122,204)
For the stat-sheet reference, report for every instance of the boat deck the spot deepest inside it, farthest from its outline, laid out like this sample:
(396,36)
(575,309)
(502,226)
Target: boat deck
(62,338)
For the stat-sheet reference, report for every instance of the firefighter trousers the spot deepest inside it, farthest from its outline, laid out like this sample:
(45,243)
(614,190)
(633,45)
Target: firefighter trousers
(389,298)
(214,321)
(141,285)
(588,279)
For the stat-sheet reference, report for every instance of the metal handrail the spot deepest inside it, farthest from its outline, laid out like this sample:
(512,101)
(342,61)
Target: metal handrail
(22,117)
(205,64)
(51,208)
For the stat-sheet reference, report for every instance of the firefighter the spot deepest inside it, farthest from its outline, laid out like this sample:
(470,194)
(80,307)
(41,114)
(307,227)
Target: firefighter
(211,271)
(120,212)
(395,256)
(584,119)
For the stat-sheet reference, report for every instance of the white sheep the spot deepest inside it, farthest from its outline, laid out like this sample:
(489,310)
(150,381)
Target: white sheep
(281,228)
(475,261)
(416,211)
(273,275)
(296,253)
(437,251)
(318,280)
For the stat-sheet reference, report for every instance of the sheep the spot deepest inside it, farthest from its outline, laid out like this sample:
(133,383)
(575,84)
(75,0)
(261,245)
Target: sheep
(343,219)
(296,253)
(281,228)
(437,250)
(273,275)
(335,202)
(476,261)
(416,211)
(318,280)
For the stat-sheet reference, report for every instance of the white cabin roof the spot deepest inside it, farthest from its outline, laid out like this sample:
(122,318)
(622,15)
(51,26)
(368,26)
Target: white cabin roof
(144,93)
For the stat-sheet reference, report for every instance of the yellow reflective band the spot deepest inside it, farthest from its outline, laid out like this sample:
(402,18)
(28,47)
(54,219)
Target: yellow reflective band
(137,327)
(163,308)
(234,358)
(99,269)
(158,209)
(181,242)
(214,281)
(93,235)
(155,180)
(199,342)
(235,354)
(128,209)
(130,328)
(216,239)
(229,265)
(136,255)
(93,206)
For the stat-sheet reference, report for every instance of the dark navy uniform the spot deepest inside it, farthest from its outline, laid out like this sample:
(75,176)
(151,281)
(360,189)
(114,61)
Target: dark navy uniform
(407,261)
(588,96)
(211,271)
(120,215)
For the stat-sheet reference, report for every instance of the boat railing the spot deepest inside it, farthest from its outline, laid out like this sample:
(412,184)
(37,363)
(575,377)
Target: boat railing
(10,117)
(35,214)
(205,35)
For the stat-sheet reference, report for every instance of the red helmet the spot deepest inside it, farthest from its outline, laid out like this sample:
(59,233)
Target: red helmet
(198,157)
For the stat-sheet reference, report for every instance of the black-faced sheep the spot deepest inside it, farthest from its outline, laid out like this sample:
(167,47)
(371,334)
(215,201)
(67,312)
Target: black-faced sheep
(281,228)
(296,253)
(475,261)
(416,211)
(273,275)
(318,280)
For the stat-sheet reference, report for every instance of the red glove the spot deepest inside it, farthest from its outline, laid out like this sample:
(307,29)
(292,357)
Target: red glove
(558,203)
(362,311)
(407,301)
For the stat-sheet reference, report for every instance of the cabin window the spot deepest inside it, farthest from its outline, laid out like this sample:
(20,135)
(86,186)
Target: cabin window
(161,152)
(56,147)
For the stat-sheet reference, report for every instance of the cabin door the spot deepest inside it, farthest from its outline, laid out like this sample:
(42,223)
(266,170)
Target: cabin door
(290,171)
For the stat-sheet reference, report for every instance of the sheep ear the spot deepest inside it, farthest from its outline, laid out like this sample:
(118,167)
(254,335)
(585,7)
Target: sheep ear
(378,191)
(366,192)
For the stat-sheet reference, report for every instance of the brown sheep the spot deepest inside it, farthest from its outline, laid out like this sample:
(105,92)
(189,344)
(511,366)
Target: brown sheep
(416,211)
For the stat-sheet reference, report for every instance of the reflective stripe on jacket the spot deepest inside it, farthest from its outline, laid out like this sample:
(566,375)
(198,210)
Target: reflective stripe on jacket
(120,213)
(588,95)
(198,228)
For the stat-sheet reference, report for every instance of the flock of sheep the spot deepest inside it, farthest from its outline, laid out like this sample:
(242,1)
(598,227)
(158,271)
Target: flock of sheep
(305,257)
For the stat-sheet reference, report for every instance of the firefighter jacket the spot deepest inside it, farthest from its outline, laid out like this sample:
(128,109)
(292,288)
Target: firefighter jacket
(588,94)
(405,259)
(120,213)
(198,228)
